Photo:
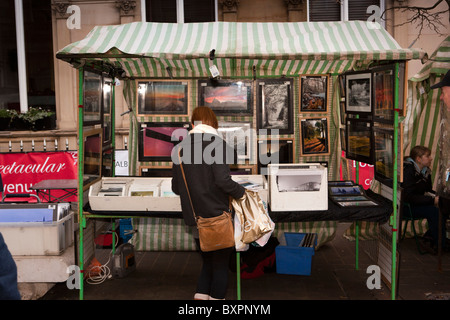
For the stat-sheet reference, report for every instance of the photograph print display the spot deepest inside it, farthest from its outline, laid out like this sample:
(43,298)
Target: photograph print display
(358,93)
(157,139)
(275,101)
(359,140)
(238,135)
(226,97)
(162,97)
(384,155)
(92,98)
(314,136)
(314,94)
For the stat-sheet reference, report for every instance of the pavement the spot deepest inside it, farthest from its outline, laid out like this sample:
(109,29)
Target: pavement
(173,276)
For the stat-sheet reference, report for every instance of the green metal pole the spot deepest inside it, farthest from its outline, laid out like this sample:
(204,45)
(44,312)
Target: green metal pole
(113,127)
(394,185)
(113,160)
(357,224)
(81,218)
(238,274)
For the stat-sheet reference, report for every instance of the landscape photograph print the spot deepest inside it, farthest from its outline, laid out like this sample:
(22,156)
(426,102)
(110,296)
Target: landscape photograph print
(314,136)
(226,97)
(313,93)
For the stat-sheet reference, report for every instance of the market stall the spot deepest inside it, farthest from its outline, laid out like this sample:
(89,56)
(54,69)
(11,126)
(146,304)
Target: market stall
(298,65)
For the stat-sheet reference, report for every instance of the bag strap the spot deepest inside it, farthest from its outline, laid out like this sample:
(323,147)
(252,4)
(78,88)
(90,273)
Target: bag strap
(185,182)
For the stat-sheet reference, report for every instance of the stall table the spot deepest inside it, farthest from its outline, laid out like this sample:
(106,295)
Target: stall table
(43,188)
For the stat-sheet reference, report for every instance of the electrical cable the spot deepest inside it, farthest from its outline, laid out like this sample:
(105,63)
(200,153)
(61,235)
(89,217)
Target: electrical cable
(98,274)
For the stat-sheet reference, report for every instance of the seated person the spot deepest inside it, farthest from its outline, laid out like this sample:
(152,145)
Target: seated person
(419,193)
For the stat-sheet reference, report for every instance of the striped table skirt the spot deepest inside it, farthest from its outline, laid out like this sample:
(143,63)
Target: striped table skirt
(169,234)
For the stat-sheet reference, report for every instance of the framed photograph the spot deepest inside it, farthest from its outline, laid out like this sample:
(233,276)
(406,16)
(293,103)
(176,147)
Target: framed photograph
(157,139)
(341,183)
(313,93)
(366,203)
(358,95)
(162,97)
(343,139)
(107,161)
(92,97)
(314,136)
(158,172)
(342,86)
(239,135)
(241,170)
(359,145)
(92,170)
(274,151)
(384,155)
(226,97)
(275,105)
(341,191)
(342,115)
(107,107)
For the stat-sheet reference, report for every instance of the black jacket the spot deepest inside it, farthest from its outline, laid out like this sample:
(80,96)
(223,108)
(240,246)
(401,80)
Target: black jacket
(209,180)
(415,185)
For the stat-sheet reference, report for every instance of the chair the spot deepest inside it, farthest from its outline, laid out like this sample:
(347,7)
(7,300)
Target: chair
(408,217)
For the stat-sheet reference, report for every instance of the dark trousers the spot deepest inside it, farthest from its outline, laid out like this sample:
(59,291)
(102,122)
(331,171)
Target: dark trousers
(8,274)
(213,279)
(431,213)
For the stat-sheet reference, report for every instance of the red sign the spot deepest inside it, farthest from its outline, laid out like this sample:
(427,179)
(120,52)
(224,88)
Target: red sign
(366,173)
(22,170)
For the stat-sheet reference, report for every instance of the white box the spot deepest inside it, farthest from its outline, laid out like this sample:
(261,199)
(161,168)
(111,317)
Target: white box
(298,187)
(38,238)
(124,201)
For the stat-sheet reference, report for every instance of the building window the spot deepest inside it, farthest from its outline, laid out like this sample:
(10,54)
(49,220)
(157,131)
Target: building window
(40,80)
(183,11)
(341,10)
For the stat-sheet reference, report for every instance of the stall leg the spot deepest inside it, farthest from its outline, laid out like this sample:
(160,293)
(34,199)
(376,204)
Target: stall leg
(238,274)
(357,224)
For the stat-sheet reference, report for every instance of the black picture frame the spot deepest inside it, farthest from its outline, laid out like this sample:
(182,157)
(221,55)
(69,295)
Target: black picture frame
(157,139)
(343,139)
(156,172)
(314,93)
(92,97)
(239,135)
(275,105)
(314,134)
(162,97)
(92,156)
(384,155)
(283,149)
(358,93)
(107,108)
(359,144)
(226,97)
(383,83)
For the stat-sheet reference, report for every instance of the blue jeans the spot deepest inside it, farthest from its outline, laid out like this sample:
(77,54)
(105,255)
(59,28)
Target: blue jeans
(8,274)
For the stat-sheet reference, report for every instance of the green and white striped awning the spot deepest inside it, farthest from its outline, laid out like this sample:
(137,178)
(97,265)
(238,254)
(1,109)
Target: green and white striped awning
(439,62)
(241,49)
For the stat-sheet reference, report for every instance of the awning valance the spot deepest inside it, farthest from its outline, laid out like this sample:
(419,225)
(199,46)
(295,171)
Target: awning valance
(240,49)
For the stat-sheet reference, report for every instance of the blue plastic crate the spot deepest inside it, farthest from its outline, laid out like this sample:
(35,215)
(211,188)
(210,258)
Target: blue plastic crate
(125,229)
(292,258)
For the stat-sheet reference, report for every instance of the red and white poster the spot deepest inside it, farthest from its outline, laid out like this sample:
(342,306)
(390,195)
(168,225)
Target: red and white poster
(366,172)
(20,171)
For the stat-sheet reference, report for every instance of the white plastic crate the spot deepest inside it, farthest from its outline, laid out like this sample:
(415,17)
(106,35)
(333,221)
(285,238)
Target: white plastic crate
(38,238)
